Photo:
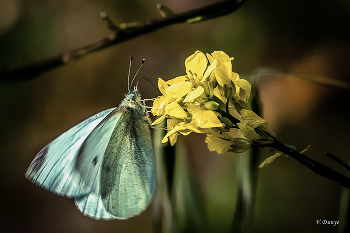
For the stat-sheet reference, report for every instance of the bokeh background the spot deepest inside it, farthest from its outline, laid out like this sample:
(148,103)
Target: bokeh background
(298,36)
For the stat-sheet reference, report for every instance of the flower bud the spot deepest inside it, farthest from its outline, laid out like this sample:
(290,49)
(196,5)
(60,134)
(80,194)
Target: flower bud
(211,105)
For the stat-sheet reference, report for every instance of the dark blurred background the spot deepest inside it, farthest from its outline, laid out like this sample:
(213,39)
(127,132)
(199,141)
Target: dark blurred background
(301,37)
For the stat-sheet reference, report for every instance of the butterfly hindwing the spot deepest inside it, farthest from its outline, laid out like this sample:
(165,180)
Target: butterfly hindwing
(53,168)
(91,205)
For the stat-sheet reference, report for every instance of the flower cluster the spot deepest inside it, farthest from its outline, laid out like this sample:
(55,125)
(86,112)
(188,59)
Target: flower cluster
(205,100)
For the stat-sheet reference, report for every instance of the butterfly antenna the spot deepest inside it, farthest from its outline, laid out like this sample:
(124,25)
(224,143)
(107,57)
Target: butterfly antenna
(129,73)
(143,61)
(150,83)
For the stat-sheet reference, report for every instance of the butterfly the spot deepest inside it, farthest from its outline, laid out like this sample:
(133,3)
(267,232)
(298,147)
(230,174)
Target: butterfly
(106,163)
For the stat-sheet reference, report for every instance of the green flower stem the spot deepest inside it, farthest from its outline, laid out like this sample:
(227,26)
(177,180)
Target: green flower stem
(312,164)
(233,119)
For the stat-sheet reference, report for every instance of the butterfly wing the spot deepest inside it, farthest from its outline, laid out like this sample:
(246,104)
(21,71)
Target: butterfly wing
(128,172)
(89,164)
(127,175)
(91,153)
(53,168)
(91,205)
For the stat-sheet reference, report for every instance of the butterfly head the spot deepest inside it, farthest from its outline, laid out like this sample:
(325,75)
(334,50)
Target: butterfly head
(133,94)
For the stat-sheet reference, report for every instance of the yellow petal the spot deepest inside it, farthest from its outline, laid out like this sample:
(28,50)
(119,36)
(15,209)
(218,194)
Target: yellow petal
(192,127)
(223,74)
(234,77)
(194,94)
(179,89)
(172,131)
(206,119)
(221,56)
(209,70)
(270,159)
(157,108)
(216,144)
(240,145)
(245,85)
(193,108)
(173,139)
(251,118)
(196,63)
(217,93)
(249,121)
(159,120)
(174,109)
(162,85)
(248,131)
(171,123)
(210,58)
(177,80)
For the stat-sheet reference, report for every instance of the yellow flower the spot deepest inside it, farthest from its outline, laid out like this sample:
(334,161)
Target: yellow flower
(202,102)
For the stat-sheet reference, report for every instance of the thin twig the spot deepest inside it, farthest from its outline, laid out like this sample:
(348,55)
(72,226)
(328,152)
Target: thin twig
(338,160)
(9,73)
(312,164)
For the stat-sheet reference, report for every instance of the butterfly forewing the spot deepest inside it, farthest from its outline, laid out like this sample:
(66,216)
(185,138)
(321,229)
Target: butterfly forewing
(92,151)
(54,168)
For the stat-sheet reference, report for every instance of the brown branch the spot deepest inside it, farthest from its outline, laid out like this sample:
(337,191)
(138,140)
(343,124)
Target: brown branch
(9,73)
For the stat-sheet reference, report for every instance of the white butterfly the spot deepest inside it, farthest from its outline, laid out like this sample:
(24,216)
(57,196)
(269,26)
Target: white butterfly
(106,163)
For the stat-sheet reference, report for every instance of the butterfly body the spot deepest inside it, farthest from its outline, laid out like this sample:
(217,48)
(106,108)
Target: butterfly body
(106,163)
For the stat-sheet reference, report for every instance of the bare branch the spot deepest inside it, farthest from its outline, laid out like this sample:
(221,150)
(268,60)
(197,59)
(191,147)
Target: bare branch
(9,73)
(312,164)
